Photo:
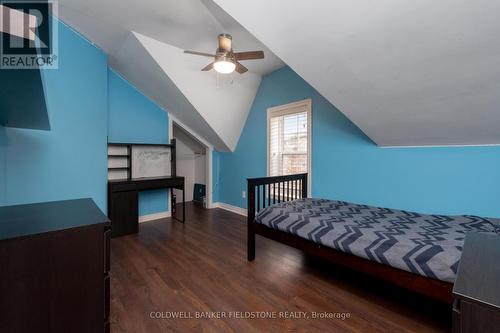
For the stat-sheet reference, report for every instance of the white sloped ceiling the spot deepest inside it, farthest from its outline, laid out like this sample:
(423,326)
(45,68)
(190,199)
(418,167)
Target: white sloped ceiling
(224,104)
(144,41)
(408,73)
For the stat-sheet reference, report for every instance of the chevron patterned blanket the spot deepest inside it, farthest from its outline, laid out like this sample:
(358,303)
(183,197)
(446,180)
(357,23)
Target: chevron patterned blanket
(429,245)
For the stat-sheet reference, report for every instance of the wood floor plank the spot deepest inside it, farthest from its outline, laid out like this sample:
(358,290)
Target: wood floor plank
(201,267)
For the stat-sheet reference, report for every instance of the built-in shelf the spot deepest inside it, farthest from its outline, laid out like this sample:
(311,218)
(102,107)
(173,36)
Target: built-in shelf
(116,170)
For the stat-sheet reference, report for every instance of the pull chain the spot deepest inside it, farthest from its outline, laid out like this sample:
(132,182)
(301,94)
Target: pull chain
(220,79)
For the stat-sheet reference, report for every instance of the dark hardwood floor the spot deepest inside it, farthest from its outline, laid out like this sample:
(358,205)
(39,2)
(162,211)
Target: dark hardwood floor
(200,267)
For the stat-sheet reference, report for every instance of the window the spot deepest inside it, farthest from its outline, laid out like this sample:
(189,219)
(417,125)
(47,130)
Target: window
(289,139)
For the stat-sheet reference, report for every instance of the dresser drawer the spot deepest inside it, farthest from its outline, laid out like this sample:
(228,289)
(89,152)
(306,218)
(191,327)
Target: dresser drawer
(474,317)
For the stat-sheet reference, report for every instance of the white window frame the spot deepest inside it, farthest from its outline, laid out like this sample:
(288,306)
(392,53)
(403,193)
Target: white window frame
(291,108)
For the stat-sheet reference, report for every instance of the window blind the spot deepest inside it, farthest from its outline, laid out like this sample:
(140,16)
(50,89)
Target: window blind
(288,141)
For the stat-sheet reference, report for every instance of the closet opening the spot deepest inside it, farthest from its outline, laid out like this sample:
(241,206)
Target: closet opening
(191,164)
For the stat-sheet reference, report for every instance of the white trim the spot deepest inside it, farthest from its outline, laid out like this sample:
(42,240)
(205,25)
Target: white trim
(170,128)
(154,216)
(190,131)
(282,109)
(208,156)
(230,208)
(445,146)
(170,137)
(208,176)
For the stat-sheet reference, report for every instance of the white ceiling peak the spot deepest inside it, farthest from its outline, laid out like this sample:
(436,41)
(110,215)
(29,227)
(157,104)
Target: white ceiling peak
(407,73)
(224,105)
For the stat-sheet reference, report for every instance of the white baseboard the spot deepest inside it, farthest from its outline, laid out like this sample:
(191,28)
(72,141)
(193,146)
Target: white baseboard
(154,216)
(231,208)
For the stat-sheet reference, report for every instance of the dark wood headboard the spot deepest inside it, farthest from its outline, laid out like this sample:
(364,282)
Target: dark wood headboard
(265,191)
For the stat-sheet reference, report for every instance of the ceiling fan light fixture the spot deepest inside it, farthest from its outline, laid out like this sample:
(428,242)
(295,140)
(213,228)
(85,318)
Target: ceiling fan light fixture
(224,65)
(225,61)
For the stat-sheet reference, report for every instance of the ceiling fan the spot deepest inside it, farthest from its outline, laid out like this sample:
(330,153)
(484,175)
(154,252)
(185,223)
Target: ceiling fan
(225,60)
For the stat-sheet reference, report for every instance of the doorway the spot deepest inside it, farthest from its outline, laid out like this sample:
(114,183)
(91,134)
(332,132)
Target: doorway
(192,162)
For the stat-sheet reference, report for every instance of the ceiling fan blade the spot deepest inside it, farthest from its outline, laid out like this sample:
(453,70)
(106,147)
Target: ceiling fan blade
(250,55)
(200,53)
(240,68)
(208,67)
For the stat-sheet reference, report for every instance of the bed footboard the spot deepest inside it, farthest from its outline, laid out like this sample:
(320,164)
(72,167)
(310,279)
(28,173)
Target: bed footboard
(263,192)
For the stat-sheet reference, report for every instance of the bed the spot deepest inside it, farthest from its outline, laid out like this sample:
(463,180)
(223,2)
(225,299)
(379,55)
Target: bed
(416,251)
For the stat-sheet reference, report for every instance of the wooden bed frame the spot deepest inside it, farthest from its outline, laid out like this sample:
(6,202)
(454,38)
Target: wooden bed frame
(263,192)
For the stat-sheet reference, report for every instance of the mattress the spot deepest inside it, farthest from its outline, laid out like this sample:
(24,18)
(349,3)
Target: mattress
(429,245)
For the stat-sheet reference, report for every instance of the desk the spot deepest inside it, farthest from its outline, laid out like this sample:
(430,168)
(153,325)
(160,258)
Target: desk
(123,196)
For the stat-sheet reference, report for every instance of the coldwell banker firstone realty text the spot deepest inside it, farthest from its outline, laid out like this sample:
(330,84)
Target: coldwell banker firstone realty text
(248,315)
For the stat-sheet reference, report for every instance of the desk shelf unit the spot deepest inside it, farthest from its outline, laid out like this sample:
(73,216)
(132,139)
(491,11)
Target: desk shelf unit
(123,188)
(120,159)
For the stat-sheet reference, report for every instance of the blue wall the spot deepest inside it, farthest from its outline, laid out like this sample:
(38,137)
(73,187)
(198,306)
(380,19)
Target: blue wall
(348,166)
(134,118)
(68,161)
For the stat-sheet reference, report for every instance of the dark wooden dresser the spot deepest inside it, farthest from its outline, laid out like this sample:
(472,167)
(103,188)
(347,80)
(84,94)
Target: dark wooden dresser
(476,293)
(54,264)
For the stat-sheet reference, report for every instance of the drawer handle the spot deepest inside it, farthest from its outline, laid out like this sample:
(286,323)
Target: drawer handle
(456,306)
(107,254)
